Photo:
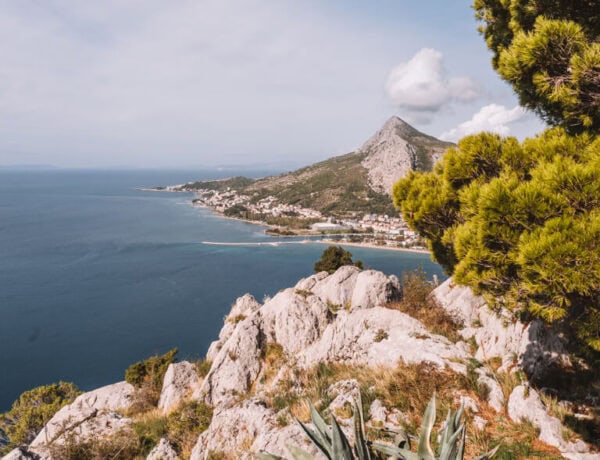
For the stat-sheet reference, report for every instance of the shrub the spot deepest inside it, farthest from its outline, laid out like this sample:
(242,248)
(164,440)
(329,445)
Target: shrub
(519,223)
(333,258)
(33,410)
(147,377)
(185,424)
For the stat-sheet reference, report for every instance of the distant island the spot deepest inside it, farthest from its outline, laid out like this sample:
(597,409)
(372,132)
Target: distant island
(347,198)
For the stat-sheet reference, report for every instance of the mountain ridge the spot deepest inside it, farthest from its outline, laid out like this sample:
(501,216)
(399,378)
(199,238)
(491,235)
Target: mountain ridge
(357,182)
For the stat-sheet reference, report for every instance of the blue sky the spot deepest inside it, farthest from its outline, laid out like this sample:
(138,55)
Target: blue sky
(247,82)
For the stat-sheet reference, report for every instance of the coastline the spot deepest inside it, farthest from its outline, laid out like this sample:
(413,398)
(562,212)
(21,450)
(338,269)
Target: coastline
(268,227)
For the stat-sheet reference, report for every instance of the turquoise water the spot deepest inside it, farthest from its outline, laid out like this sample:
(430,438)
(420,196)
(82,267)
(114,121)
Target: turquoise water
(95,274)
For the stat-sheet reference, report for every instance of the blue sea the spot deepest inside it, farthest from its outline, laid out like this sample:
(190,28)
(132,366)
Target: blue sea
(96,274)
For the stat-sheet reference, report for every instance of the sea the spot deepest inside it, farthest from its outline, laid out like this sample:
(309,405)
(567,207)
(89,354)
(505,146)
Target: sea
(96,273)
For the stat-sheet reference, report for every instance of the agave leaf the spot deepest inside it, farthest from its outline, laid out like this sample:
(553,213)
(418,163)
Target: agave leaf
(459,414)
(395,452)
(488,455)
(299,454)
(268,456)
(320,423)
(341,446)
(424,450)
(316,438)
(461,446)
(447,431)
(361,447)
(449,448)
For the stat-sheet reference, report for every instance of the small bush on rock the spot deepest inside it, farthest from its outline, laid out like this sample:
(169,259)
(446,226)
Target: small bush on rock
(33,410)
(333,258)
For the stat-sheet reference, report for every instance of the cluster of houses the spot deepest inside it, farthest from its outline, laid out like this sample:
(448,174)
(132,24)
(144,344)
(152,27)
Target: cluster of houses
(372,228)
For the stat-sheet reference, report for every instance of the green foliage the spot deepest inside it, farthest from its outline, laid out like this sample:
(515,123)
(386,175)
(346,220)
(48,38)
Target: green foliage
(332,441)
(520,223)
(186,423)
(549,51)
(150,370)
(335,257)
(33,410)
(149,431)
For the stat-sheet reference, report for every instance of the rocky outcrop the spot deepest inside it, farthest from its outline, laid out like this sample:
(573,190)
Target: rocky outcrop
(246,428)
(396,149)
(92,415)
(164,450)
(525,403)
(342,318)
(181,380)
(531,347)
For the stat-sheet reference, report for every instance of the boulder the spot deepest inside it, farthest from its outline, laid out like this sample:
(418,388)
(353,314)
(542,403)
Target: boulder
(532,347)
(92,414)
(246,429)
(495,397)
(180,380)
(243,307)
(382,337)
(373,288)
(164,450)
(236,366)
(525,403)
(294,321)
(337,288)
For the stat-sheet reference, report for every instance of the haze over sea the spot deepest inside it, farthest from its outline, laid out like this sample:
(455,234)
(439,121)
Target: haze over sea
(96,274)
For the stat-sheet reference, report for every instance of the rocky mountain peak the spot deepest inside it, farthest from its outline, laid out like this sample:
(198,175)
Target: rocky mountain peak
(396,149)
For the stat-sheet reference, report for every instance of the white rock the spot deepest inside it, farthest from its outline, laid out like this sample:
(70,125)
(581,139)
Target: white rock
(19,453)
(248,428)
(391,154)
(532,347)
(373,288)
(337,288)
(479,422)
(180,380)
(381,417)
(91,414)
(525,403)
(344,392)
(381,336)
(236,366)
(243,307)
(164,450)
(294,321)
(495,396)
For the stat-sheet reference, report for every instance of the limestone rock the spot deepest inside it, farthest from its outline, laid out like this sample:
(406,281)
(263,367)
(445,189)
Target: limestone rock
(373,288)
(381,336)
(381,417)
(243,307)
(344,392)
(525,403)
(532,347)
(294,321)
(495,396)
(396,149)
(91,414)
(248,428)
(163,451)
(180,380)
(337,288)
(236,366)
(20,453)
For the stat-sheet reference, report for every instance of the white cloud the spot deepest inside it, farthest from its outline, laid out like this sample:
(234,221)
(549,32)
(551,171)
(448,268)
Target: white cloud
(493,118)
(421,87)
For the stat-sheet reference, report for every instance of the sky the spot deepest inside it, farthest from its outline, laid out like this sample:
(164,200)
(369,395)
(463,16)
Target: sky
(253,83)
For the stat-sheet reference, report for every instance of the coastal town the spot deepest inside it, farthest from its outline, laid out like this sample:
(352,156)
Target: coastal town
(293,220)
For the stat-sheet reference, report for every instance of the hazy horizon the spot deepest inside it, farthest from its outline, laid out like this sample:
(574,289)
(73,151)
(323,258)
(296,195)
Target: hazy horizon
(211,83)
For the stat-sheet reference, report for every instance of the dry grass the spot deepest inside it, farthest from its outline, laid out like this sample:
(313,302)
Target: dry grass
(417,302)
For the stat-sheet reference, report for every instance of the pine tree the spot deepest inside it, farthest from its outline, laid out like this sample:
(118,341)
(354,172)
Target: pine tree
(549,51)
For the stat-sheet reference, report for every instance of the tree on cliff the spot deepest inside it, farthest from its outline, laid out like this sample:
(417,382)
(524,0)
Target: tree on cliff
(549,51)
(333,258)
(520,222)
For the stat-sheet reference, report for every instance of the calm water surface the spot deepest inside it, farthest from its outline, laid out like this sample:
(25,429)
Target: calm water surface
(95,274)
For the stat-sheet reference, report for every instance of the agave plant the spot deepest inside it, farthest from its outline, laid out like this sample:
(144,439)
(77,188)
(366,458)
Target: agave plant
(332,441)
